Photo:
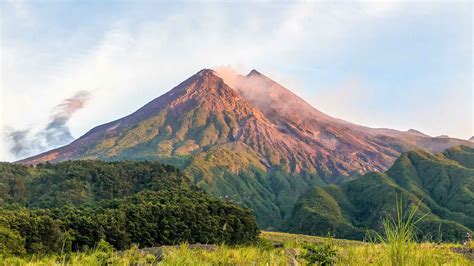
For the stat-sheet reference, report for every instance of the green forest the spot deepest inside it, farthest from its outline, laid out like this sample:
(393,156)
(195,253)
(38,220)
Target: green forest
(72,206)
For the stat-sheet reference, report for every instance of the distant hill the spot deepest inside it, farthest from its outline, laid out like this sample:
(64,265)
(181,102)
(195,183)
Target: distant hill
(444,182)
(256,142)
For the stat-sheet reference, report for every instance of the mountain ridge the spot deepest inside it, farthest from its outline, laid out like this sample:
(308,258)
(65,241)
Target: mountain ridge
(440,184)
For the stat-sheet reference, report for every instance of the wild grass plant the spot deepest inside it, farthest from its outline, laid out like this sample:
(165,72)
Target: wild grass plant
(398,237)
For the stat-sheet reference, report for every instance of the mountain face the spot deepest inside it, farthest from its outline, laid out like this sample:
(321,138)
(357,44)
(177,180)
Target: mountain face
(443,182)
(256,142)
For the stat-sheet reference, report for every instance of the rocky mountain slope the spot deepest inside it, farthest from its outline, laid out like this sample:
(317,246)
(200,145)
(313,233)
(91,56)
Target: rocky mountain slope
(256,142)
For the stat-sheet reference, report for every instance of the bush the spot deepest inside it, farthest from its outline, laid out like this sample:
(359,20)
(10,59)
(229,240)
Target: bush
(264,244)
(324,254)
(11,243)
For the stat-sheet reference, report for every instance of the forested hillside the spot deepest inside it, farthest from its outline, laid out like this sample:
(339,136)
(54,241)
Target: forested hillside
(73,205)
(443,183)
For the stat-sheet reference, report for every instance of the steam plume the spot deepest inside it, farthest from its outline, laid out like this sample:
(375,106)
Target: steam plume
(55,133)
(266,94)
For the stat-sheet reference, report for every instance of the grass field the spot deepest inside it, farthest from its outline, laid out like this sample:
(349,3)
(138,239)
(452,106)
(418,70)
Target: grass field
(273,249)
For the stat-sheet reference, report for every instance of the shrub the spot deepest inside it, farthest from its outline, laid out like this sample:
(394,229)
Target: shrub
(323,254)
(11,243)
(264,243)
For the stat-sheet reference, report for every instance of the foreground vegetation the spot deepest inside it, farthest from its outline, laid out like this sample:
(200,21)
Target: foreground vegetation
(294,249)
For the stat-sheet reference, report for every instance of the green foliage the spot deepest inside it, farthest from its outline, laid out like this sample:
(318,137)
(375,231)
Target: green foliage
(264,243)
(80,182)
(11,243)
(399,234)
(40,231)
(104,246)
(81,204)
(462,154)
(322,254)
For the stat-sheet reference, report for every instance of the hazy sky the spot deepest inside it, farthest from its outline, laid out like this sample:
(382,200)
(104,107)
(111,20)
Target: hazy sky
(382,64)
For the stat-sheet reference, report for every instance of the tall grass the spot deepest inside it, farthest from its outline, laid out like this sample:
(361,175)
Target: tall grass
(363,254)
(398,236)
(348,253)
(422,254)
(224,255)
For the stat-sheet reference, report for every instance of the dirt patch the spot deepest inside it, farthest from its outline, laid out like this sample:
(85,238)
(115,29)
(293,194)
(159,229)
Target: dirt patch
(159,252)
(468,252)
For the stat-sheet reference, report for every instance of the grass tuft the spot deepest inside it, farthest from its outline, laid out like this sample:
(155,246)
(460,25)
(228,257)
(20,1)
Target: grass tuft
(398,236)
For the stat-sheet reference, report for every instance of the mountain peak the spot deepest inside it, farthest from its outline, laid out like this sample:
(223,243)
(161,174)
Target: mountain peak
(205,72)
(416,132)
(254,73)
(275,100)
(205,88)
(205,79)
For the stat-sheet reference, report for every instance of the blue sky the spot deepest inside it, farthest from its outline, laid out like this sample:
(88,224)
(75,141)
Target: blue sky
(393,64)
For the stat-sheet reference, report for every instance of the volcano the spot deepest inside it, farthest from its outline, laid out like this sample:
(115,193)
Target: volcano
(256,142)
